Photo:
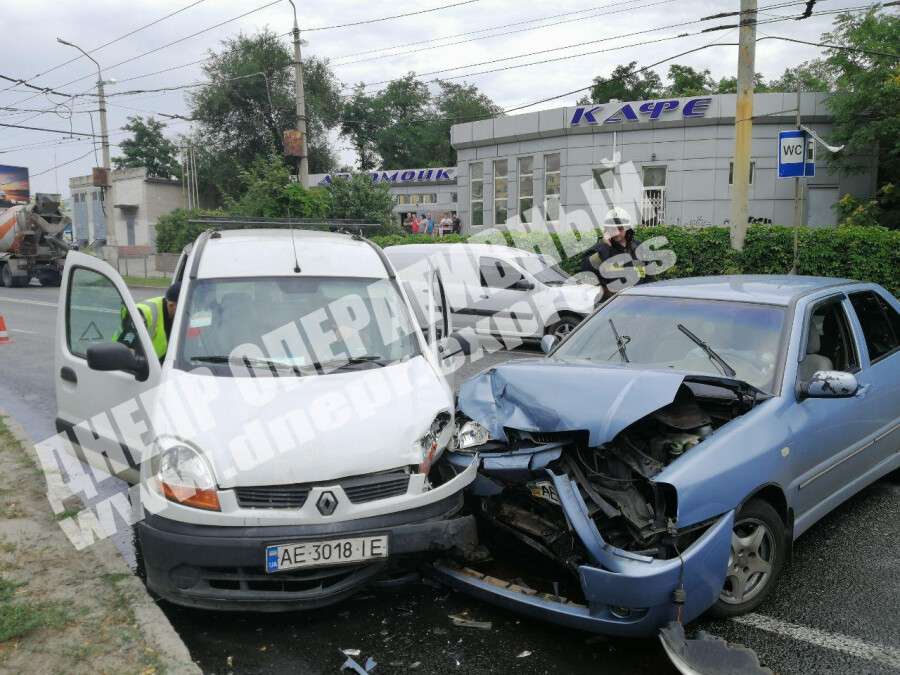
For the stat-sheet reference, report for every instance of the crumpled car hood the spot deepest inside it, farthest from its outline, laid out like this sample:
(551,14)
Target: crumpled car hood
(547,394)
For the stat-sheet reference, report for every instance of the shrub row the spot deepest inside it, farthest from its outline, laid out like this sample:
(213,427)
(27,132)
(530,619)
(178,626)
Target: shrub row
(865,253)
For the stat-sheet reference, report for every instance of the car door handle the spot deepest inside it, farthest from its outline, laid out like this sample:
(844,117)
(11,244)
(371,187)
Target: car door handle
(68,375)
(484,297)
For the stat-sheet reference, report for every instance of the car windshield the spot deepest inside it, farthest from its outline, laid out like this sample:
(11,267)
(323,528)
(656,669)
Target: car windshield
(294,325)
(544,269)
(704,336)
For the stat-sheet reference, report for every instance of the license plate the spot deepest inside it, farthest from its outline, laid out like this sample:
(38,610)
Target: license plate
(281,557)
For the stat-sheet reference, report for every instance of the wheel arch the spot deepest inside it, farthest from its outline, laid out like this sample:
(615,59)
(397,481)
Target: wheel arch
(774,495)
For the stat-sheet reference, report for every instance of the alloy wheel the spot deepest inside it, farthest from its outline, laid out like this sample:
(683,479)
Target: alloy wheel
(750,562)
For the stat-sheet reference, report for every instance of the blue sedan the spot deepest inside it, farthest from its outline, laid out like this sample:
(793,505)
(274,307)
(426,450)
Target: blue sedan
(661,460)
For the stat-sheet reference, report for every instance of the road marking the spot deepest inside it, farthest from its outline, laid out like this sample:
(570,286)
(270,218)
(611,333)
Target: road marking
(39,303)
(27,332)
(886,656)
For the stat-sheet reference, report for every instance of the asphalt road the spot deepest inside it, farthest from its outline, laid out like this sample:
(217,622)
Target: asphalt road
(837,608)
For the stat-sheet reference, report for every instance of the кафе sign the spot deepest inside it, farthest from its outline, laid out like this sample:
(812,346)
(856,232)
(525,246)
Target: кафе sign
(650,110)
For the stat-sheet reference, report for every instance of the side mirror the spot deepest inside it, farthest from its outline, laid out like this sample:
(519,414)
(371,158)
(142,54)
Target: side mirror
(548,342)
(830,384)
(109,356)
(455,344)
(522,285)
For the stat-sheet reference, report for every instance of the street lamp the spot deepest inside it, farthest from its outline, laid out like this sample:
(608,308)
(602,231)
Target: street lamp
(104,134)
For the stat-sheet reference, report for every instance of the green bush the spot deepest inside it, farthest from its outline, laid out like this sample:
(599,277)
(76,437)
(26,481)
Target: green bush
(864,253)
(174,232)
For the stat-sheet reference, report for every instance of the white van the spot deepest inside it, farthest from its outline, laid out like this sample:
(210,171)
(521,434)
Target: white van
(284,444)
(499,290)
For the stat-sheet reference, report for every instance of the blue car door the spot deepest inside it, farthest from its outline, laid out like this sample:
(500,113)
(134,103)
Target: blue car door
(879,323)
(827,432)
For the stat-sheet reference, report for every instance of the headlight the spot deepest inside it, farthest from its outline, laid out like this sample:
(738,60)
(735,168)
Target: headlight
(471,435)
(434,441)
(184,477)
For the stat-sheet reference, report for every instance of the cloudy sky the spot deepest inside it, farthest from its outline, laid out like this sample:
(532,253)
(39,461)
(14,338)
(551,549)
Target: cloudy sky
(457,36)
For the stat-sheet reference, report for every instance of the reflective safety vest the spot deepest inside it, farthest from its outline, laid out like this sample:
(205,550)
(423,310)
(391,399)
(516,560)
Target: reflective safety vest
(152,310)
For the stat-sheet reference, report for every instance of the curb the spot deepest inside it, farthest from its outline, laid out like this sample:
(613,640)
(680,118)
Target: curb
(151,620)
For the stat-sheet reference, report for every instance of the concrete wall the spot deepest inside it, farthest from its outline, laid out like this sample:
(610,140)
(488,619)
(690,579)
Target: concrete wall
(146,199)
(696,153)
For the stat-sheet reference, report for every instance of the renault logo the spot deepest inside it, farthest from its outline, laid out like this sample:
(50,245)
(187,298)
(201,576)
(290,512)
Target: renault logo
(327,503)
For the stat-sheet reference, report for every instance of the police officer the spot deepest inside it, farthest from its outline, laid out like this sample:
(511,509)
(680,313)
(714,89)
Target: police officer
(158,314)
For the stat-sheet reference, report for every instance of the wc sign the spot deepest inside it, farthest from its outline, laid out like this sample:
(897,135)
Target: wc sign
(796,155)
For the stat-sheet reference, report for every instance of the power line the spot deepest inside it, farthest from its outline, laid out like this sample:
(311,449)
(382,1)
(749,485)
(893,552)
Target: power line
(52,131)
(71,161)
(892,55)
(165,46)
(118,39)
(387,18)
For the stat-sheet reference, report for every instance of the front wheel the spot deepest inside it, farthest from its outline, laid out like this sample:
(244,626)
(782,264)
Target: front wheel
(758,549)
(565,325)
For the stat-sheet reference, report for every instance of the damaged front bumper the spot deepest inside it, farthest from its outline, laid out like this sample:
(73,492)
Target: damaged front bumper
(625,593)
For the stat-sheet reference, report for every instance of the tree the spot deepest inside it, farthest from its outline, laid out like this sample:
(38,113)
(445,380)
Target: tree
(249,102)
(728,85)
(815,75)
(864,101)
(685,81)
(358,197)
(267,192)
(404,125)
(625,84)
(149,148)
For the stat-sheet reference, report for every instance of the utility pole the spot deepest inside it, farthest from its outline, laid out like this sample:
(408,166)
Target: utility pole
(300,102)
(104,137)
(798,194)
(743,123)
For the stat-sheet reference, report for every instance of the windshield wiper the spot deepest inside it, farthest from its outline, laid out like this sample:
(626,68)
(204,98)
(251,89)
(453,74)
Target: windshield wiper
(620,342)
(351,361)
(710,352)
(248,362)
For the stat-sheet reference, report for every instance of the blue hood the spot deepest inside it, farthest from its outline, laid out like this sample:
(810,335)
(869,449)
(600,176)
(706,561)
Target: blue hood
(547,394)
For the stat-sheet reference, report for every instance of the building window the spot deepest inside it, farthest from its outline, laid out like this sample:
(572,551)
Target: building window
(526,188)
(501,191)
(476,187)
(604,177)
(731,172)
(93,196)
(551,187)
(453,197)
(653,199)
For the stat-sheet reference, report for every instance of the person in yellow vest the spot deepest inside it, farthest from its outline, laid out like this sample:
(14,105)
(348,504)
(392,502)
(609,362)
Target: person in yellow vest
(158,314)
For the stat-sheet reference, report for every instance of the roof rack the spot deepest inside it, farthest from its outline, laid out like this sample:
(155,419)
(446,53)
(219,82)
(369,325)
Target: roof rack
(345,225)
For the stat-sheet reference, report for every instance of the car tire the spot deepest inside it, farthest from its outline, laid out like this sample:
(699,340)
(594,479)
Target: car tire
(758,554)
(565,325)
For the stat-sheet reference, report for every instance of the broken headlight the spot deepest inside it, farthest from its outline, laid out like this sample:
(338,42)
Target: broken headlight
(470,435)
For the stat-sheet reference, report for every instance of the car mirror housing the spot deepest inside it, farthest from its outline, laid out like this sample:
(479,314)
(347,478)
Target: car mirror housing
(111,356)
(830,384)
(455,344)
(548,342)
(523,285)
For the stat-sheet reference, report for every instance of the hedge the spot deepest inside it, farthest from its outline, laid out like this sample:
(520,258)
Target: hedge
(864,253)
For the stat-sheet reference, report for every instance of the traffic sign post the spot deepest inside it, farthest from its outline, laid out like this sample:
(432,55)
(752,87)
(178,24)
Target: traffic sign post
(796,155)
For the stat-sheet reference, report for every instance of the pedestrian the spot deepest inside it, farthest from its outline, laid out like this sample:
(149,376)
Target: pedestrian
(615,252)
(413,223)
(429,224)
(446,224)
(158,314)
(457,224)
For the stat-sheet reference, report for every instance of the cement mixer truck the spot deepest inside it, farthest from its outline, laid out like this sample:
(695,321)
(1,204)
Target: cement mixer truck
(31,242)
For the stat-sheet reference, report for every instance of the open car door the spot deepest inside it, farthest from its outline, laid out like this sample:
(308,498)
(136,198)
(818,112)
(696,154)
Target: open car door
(100,409)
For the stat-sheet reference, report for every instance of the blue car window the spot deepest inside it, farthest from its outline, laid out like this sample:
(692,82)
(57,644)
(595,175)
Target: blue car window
(880,323)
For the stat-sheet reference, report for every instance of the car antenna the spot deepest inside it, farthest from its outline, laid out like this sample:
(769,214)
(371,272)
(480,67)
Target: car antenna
(294,247)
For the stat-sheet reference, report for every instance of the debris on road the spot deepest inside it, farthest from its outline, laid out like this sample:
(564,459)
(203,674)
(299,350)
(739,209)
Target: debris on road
(352,664)
(523,654)
(465,622)
(350,652)
(708,654)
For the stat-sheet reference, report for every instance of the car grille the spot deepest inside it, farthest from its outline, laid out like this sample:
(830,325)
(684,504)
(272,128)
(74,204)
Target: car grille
(359,490)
